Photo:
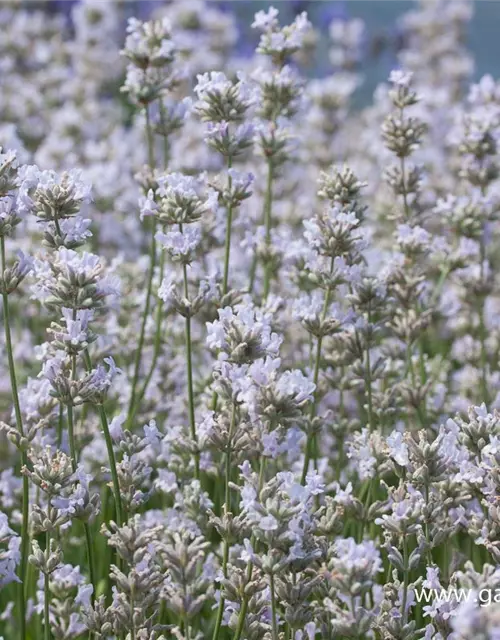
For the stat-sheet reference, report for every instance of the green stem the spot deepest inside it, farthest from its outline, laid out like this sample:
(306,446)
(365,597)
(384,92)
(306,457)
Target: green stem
(439,286)
(24,457)
(482,329)
(166,146)
(365,510)
(220,610)
(268,206)
(244,603)
(411,370)
(406,206)
(152,265)
(369,379)
(159,305)
(110,450)
(46,596)
(310,448)
(60,425)
(156,345)
(71,437)
(241,619)
(274,616)
(74,463)
(227,249)
(405,580)
(112,464)
(253,269)
(227,507)
(132,605)
(189,365)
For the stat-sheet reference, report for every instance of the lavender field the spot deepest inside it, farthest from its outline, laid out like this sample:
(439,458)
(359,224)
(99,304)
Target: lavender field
(250,341)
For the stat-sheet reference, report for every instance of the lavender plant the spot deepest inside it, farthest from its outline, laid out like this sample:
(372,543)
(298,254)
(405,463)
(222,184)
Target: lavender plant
(250,353)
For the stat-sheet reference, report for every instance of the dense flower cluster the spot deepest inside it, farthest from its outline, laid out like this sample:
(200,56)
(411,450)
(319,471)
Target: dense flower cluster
(250,375)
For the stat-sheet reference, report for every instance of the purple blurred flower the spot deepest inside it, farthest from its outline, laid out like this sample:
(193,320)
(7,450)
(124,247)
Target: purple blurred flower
(334,11)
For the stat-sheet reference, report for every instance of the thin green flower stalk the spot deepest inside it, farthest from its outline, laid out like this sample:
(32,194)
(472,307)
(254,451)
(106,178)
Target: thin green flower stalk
(369,392)
(112,464)
(151,75)
(189,372)
(149,285)
(46,595)
(249,570)
(24,457)
(156,345)
(407,217)
(109,447)
(402,134)
(223,104)
(237,189)
(71,436)
(184,200)
(74,463)
(243,610)
(406,579)
(268,209)
(279,92)
(227,248)
(310,450)
(332,234)
(226,509)
(274,615)
(483,358)
(165,128)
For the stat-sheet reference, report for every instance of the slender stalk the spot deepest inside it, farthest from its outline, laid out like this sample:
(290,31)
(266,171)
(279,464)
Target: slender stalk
(268,207)
(192,423)
(156,345)
(112,464)
(166,146)
(405,579)
(406,206)
(46,594)
(187,628)
(227,251)
(365,510)
(152,265)
(227,507)
(274,616)
(253,269)
(71,437)
(185,619)
(88,536)
(220,610)
(110,450)
(132,605)
(407,212)
(229,222)
(74,464)
(482,329)
(244,603)
(189,366)
(24,457)
(60,425)
(369,380)
(241,619)
(310,448)
(159,304)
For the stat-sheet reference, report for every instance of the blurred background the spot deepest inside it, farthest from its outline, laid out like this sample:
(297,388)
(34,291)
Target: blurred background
(381,17)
